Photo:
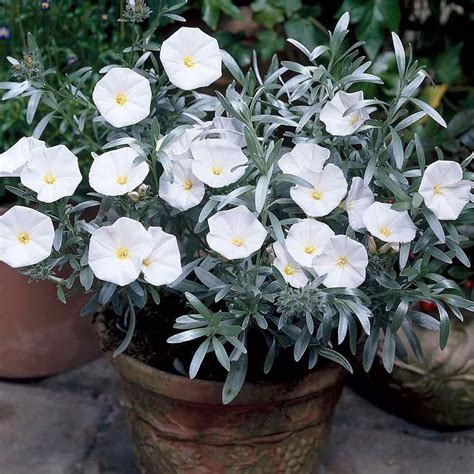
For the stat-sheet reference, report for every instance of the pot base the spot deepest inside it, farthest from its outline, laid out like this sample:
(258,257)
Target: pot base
(172,436)
(181,426)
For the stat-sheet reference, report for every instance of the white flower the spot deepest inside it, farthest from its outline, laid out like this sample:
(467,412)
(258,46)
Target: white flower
(358,200)
(332,114)
(389,225)
(15,158)
(123,97)
(52,172)
(26,237)
(343,261)
(303,157)
(231,129)
(114,173)
(191,58)
(328,188)
(236,233)
(306,239)
(218,162)
(116,252)
(163,264)
(443,189)
(289,268)
(179,146)
(186,191)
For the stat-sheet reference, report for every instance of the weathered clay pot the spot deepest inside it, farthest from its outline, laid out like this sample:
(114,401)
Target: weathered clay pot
(181,426)
(439,392)
(41,336)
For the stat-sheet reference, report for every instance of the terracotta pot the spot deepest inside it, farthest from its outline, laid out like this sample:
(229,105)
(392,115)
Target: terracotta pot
(40,335)
(180,425)
(438,392)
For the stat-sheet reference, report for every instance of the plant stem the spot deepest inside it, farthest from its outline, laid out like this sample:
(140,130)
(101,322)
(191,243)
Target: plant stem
(20,23)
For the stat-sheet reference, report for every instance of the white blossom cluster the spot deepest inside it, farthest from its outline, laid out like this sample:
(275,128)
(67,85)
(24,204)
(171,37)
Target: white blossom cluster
(120,252)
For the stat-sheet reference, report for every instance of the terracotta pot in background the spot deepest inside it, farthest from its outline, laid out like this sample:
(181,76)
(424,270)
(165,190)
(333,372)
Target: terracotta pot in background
(180,425)
(39,335)
(438,392)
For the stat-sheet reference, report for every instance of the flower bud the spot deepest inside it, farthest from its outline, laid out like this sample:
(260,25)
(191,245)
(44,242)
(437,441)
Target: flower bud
(393,246)
(372,246)
(136,11)
(318,73)
(133,196)
(142,190)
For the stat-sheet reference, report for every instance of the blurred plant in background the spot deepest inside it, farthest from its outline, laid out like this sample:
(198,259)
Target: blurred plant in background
(55,24)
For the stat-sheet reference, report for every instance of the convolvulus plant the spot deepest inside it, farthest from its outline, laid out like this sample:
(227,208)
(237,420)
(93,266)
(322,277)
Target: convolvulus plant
(288,205)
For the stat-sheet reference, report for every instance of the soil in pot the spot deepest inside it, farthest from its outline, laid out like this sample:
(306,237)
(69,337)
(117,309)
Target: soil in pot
(154,327)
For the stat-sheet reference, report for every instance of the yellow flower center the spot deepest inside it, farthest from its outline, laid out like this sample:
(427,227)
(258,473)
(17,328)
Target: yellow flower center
(147,262)
(188,185)
(23,238)
(217,170)
(49,178)
(341,262)
(437,190)
(122,180)
(353,119)
(122,253)
(237,241)
(121,99)
(189,61)
(316,194)
(385,231)
(309,249)
(289,270)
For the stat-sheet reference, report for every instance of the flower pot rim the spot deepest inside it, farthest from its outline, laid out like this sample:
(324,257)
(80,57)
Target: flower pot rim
(207,392)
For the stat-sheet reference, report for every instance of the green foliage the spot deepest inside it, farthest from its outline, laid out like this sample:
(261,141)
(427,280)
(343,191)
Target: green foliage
(448,65)
(267,13)
(372,18)
(211,11)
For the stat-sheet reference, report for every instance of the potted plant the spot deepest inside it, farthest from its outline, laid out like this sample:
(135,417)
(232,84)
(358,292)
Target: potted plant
(228,247)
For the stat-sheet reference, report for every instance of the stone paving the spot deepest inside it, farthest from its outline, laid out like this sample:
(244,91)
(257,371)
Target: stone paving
(73,424)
